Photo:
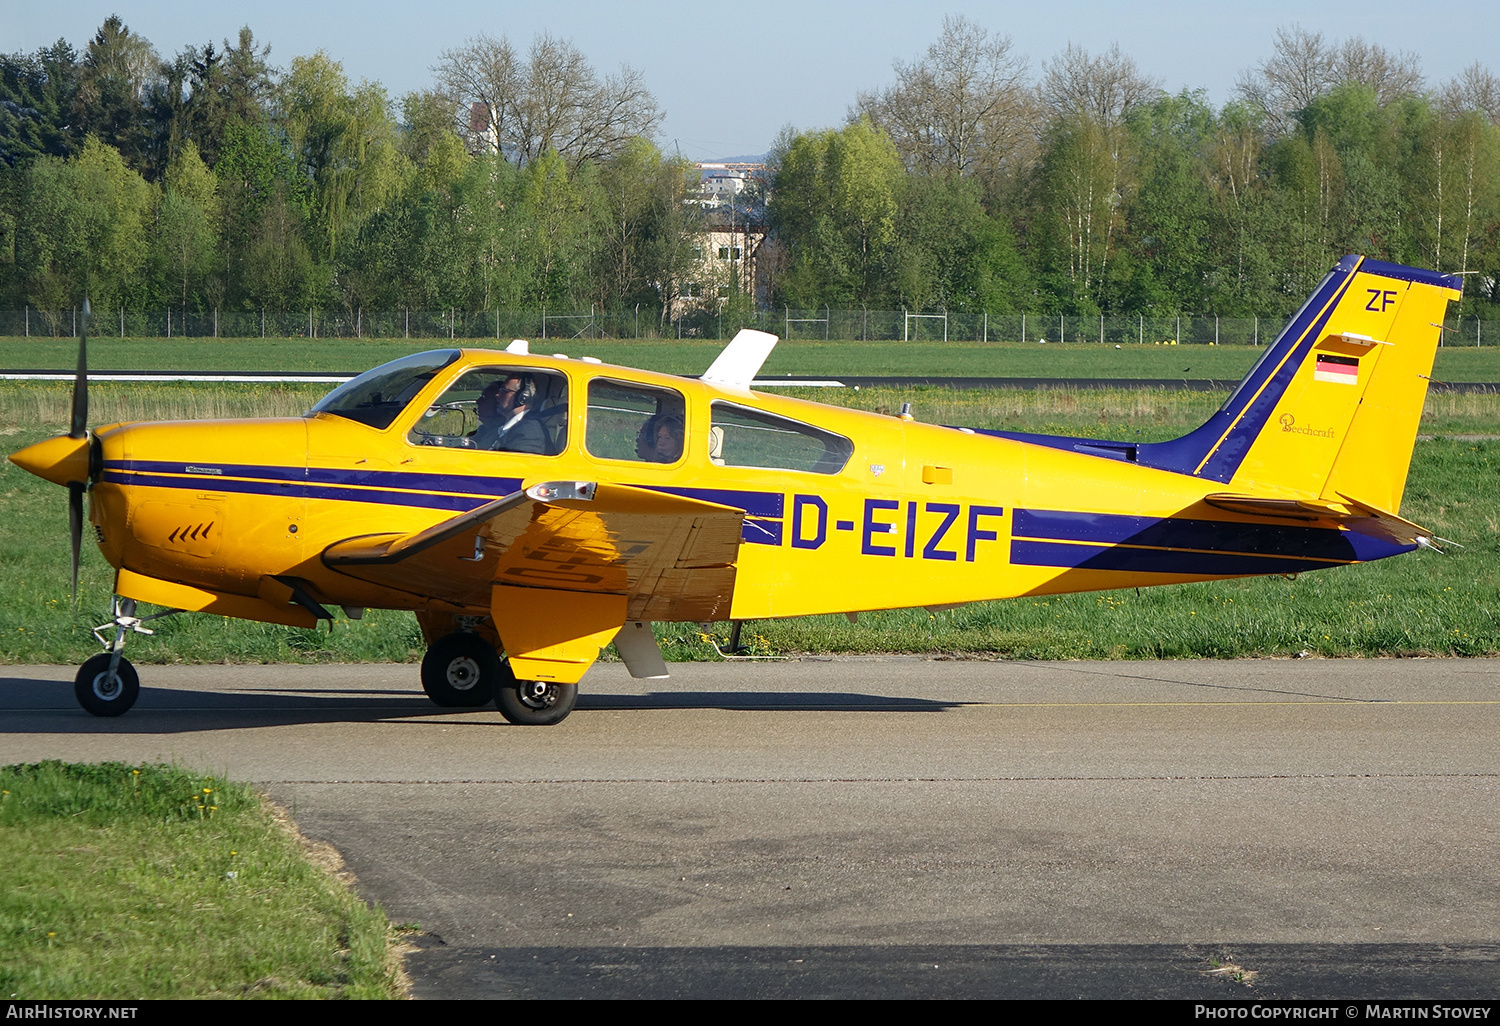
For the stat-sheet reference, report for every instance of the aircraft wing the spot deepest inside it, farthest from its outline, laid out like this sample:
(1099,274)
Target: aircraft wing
(671,557)
(1350,513)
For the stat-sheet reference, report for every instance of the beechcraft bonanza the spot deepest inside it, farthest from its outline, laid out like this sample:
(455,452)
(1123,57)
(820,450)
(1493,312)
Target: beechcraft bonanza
(532,509)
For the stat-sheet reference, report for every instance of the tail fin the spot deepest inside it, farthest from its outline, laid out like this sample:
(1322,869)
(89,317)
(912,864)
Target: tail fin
(1331,410)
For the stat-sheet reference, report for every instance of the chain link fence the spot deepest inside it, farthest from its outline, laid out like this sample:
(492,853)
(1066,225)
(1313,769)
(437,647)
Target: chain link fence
(643,322)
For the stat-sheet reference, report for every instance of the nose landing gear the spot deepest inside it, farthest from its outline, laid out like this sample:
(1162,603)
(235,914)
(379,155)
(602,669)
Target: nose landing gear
(106,684)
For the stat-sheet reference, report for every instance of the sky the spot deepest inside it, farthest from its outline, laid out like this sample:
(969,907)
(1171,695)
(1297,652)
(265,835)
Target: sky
(729,77)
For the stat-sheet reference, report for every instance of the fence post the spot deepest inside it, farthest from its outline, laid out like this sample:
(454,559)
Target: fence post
(1216,329)
(905,325)
(216,322)
(825,322)
(406,330)
(75,321)
(169,322)
(544,320)
(1062,329)
(787,312)
(1023,327)
(637,320)
(497,324)
(359,322)
(1177,336)
(1142,337)
(452,319)
(262,322)
(1256,340)
(864,323)
(28,320)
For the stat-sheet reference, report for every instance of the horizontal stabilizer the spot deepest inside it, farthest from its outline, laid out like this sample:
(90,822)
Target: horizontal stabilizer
(1350,513)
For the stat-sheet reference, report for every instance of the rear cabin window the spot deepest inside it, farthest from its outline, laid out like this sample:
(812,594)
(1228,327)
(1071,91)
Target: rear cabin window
(742,437)
(627,421)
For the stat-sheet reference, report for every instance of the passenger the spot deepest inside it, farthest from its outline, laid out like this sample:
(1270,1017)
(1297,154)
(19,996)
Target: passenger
(660,439)
(505,421)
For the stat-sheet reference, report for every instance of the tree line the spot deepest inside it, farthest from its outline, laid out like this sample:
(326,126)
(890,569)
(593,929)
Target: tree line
(526,178)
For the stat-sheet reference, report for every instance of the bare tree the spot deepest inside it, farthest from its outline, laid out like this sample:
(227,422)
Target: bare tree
(1088,161)
(964,109)
(552,99)
(1305,66)
(1473,89)
(1390,74)
(1102,89)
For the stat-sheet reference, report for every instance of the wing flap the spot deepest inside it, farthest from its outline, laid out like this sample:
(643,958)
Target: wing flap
(665,553)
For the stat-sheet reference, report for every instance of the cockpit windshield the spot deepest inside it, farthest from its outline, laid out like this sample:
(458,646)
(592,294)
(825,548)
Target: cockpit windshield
(377,396)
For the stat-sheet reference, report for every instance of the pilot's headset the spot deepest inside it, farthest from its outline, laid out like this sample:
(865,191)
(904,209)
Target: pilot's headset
(527,392)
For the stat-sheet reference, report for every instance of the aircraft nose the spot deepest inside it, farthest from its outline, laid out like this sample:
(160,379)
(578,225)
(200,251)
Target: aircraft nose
(61,460)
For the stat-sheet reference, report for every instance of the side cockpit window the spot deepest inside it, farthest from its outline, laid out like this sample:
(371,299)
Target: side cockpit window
(742,437)
(627,421)
(499,409)
(378,396)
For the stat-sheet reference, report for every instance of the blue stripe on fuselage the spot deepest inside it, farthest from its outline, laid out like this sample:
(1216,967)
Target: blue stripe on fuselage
(1183,544)
(463,483)
(455,492)
(1153,561)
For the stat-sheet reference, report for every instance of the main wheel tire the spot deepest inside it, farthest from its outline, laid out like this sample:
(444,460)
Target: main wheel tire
(536,703)
(102,693)
(460,671)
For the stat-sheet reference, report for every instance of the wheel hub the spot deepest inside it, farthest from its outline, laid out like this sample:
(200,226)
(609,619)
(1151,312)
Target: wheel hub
(463,674)
(538,694)
(107,685)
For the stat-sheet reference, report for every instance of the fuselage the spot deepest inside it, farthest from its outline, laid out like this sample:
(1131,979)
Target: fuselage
(893,513)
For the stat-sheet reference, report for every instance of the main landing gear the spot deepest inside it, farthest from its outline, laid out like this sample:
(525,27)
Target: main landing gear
(461,670)
(106,684)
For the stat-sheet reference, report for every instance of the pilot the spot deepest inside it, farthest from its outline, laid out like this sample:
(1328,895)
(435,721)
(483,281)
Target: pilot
(506,423)
(660,440)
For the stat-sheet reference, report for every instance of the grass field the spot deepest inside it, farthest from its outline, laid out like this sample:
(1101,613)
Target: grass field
(150,882)
(1422,603)
(824,359)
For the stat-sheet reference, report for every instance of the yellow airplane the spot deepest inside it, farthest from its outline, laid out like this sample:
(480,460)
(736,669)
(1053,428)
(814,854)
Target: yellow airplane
(532,509)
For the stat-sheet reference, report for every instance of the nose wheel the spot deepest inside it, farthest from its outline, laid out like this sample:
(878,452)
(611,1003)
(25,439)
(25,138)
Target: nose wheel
(104,689)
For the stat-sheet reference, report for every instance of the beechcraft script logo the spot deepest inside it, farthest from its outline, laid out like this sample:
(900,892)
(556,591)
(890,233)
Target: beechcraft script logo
(1289,424)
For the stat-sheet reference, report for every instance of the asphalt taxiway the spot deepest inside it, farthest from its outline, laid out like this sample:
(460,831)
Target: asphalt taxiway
(879,827)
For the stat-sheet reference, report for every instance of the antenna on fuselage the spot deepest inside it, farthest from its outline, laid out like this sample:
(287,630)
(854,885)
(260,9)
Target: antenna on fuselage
(741,360)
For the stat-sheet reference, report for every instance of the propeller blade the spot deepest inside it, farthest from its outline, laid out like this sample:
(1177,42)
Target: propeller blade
(80,425)
(75,528)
